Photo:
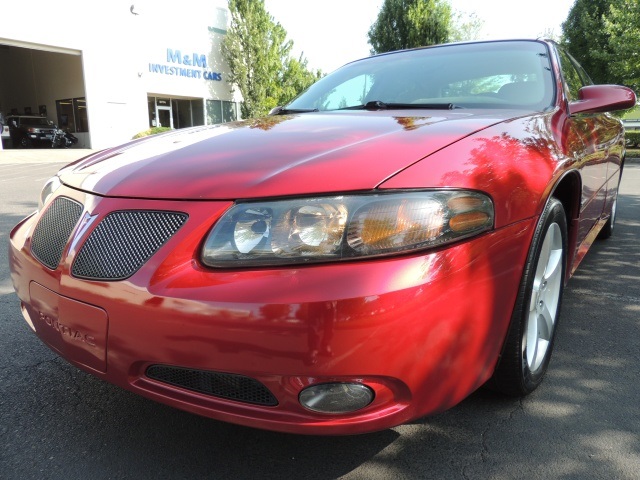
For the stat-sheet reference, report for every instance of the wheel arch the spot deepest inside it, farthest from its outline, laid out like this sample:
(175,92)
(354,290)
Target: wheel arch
(568,191)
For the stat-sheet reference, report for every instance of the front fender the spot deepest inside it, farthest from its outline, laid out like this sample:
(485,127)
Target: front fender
(517,162)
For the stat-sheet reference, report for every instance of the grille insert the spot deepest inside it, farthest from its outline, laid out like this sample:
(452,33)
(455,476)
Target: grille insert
(223,385)
(123,242)
(53,230)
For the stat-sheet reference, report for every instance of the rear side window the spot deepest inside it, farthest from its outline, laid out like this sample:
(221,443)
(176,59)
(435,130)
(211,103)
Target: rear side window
(574,75)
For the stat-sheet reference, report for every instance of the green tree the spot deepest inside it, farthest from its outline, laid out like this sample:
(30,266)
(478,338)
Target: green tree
(586,39)
(603,36)
(295,78)
(258,55)
(410,23)
(465,26)
(622,24)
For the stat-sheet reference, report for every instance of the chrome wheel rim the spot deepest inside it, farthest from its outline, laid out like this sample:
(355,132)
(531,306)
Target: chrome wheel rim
(545,299)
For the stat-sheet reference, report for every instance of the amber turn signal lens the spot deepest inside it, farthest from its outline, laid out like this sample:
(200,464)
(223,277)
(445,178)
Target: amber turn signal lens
(468,222)
(465,203)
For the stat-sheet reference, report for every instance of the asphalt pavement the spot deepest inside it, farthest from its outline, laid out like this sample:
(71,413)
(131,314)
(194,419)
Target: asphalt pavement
(48,155)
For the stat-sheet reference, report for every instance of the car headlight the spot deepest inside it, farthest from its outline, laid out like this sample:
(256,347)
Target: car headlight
(346,227)
(48,190)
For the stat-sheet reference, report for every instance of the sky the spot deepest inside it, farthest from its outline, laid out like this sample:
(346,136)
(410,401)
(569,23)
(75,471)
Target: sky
(330,33)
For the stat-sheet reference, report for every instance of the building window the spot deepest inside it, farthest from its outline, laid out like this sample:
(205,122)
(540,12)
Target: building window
(80,114)
(221,111)
(72,114)
(175,112)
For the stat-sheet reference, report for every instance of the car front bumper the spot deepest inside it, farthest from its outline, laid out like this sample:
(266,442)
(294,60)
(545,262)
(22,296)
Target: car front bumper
(422,331)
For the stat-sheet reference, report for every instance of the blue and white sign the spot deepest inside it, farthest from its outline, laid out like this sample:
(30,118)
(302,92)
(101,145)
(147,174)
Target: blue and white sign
(189,66)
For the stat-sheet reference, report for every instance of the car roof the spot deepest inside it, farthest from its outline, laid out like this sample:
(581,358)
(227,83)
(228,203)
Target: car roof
(466,42)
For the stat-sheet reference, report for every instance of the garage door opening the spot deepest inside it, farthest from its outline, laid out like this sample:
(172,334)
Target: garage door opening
(45,82)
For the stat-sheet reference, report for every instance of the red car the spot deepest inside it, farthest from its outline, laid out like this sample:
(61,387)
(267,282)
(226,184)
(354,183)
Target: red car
(393,239)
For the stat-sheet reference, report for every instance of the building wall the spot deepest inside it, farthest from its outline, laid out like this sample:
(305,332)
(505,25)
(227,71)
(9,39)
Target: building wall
(115,54)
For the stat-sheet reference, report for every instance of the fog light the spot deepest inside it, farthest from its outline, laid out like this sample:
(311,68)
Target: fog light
(336,397)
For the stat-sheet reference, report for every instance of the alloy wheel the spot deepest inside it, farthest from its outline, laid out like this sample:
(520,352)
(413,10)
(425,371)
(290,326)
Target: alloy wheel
(545,299)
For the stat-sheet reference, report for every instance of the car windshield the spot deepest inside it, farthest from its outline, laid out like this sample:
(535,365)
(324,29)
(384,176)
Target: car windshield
(501,74)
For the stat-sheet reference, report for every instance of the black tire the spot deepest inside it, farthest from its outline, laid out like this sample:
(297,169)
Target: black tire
(607,230)
(25,142)
(529,343)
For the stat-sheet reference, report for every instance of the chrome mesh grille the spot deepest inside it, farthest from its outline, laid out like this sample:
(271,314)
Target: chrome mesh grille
(123,242)
(223,385)
(54,229)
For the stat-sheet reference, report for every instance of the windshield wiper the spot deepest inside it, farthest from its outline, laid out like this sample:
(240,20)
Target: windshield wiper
(378,105)
(287,111)
(372,105)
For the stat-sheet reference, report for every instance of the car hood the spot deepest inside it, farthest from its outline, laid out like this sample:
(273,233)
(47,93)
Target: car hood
(310,153)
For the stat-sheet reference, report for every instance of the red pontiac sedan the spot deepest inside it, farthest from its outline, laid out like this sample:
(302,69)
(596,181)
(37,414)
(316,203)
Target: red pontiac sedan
(393,239)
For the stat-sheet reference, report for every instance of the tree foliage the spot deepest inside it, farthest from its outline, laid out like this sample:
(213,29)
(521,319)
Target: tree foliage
(622,24)
(585,38)
(258,54)
(410,23)
(603,35)
(465,26)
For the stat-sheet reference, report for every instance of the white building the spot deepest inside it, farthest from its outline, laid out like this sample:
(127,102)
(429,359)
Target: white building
(108,70)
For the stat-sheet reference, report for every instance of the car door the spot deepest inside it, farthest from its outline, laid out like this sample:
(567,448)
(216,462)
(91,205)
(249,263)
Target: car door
(599,139)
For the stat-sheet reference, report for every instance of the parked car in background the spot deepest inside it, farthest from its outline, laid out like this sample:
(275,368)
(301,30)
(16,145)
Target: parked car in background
(396,237)
(4,130)
(28,131)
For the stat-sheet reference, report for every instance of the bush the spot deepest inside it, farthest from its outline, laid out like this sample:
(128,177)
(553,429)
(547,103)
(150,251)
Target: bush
(151,131)
(632,138)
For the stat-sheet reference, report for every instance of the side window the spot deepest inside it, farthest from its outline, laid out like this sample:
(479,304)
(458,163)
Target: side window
(586,80)
(573,80)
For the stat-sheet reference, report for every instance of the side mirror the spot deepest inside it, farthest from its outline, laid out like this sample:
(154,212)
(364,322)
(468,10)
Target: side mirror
(275,110)
(602,98)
